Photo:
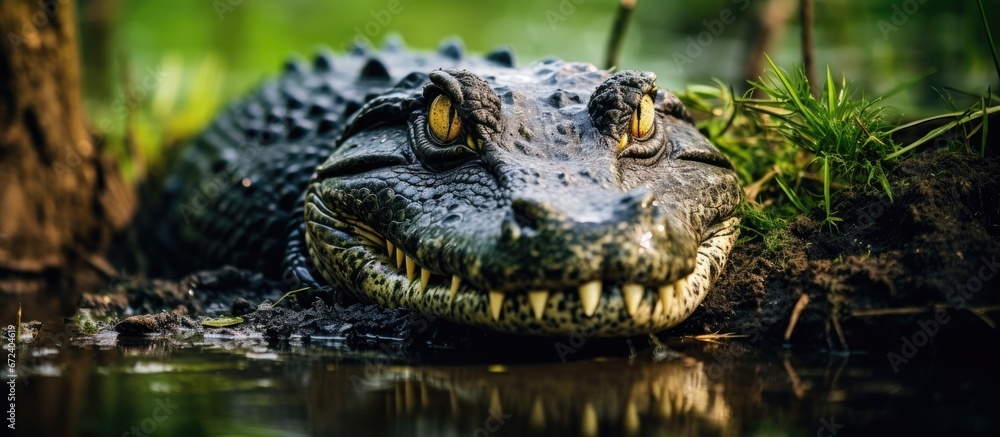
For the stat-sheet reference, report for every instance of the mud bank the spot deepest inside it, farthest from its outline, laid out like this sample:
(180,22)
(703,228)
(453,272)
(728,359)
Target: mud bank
(923,266)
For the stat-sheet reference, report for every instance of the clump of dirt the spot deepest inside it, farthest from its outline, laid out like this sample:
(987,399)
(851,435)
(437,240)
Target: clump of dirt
(924,261)
(200,292)
(356,323)
(182,307)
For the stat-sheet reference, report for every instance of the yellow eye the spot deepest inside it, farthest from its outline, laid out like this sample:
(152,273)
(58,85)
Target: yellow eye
(642,118)
(443,120)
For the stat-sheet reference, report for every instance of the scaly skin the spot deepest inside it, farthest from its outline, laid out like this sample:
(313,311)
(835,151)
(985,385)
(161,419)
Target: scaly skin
(546,216)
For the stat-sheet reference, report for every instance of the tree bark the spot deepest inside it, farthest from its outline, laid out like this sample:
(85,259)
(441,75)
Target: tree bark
(808,47)
(772,21)
(61,197)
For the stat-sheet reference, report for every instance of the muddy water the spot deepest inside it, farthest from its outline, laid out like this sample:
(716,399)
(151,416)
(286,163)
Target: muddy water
(206,385)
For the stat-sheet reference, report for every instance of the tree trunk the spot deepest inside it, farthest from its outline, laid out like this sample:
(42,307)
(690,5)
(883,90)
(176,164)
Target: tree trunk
(61,198)
(771,22)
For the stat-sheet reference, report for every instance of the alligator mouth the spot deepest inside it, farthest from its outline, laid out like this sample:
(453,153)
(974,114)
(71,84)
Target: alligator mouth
(373,268)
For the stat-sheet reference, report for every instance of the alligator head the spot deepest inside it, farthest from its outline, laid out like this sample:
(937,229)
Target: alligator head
(549,200)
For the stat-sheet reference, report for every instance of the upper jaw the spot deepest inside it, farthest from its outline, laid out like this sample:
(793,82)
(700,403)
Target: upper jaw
(534,244)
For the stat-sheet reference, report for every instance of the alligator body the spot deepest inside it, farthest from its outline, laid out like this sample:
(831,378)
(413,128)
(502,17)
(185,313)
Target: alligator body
(550,199)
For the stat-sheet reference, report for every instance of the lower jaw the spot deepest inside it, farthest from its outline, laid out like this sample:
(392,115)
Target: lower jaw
(563,313)
(372,280)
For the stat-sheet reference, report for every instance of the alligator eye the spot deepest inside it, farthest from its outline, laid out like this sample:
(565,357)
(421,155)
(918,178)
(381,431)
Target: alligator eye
(641,124)
(642,118)
(443,121)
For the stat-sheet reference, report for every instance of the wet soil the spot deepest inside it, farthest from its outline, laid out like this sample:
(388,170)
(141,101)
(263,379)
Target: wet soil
(922,266)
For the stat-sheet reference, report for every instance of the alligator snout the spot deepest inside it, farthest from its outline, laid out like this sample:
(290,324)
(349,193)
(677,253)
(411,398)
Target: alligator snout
(568,238)
(536,215)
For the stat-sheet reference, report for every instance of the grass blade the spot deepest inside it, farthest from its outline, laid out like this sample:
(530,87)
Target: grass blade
(989,110)
(791,91)
(831,92)
(222,321)
(989,37)
(986,125)
(903,86)
(288,294)
(826,185)
(965,117)
(885,185)
(790,193)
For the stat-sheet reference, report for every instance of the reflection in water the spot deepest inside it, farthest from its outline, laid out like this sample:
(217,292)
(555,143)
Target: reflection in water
(586,398)
(247,386)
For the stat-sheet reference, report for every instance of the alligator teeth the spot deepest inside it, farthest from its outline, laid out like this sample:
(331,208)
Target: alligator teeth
(631,418)
(496,303)
(590,295)
(453,400)
(367,235)
(360,225)
(411,269)
(495,404)
(390,248)
(538,300)
(455,281)
(538,414)
(632,293)
(425,277)
(588,420)
(680,288)
(399,258)
(658,308)
(666,295)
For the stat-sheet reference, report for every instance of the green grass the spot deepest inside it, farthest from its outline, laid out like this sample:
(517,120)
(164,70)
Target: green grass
(847,137)
(793,151)
(956,118)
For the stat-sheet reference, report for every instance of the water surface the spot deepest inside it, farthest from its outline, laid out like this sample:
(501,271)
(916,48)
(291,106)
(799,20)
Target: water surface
(207,385)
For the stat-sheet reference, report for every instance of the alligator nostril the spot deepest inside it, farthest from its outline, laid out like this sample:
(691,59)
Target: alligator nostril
(526,213)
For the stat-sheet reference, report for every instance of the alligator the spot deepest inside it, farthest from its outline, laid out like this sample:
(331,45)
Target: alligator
(550,199)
